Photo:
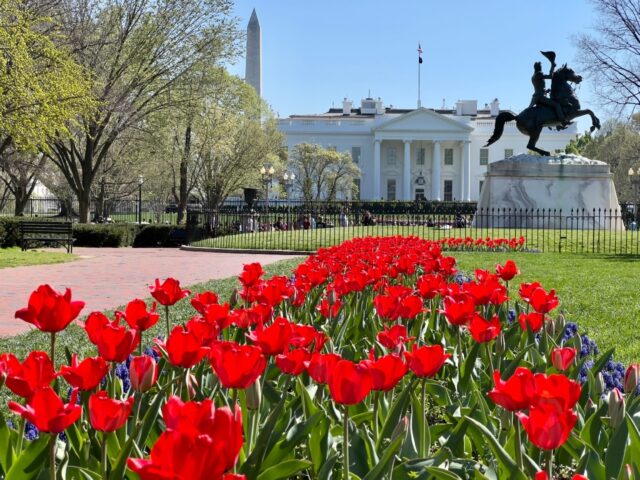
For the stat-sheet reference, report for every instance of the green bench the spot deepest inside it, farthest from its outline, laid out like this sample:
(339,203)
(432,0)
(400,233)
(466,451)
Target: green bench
(60,233)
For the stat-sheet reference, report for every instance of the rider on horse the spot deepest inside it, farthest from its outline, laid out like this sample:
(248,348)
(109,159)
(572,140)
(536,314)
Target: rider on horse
(539,95)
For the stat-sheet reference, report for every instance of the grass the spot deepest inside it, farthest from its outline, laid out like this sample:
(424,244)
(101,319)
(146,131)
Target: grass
(15,257)
(550,240)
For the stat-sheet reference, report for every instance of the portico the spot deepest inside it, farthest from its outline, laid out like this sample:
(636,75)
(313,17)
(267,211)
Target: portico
(434,162)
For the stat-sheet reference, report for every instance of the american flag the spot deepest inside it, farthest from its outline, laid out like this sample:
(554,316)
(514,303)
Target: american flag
(419,54)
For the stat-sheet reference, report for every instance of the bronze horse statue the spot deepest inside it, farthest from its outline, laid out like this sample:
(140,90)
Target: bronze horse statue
(532,120)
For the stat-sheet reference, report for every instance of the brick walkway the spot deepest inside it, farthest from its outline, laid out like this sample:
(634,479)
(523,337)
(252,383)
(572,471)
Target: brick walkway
(108,277)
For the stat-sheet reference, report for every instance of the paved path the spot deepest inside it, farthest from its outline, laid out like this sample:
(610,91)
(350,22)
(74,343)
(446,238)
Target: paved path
(108,277)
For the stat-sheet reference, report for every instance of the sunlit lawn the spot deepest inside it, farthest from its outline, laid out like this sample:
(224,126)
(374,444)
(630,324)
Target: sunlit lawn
(14,257)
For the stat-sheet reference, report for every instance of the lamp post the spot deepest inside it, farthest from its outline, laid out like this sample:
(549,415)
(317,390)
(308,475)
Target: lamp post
(140,182)
(287,181)
(267,179)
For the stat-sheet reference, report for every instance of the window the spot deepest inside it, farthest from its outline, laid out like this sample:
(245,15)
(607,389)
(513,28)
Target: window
(448,156)
(420,194)
(391,155)
(355,194)
(391,189)
(448,190)
(484,156)
(355,154)
(480,187)
(508,152)
(420,159)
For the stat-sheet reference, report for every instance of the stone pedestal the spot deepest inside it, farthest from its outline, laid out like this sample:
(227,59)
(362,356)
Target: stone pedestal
(562,191)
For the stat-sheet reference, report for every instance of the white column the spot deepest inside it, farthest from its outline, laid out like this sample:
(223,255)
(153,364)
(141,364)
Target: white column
(466,167)
(376,170)
(406,172)
(436,181)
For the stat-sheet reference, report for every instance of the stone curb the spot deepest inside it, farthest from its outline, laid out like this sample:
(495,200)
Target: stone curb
(246,251)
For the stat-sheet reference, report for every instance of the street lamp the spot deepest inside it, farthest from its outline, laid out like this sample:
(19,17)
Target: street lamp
(140,182)
(287,181)
(267,180)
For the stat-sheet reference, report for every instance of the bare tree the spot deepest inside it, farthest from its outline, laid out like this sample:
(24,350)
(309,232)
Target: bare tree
(19,175)
(139,51)
(611,56)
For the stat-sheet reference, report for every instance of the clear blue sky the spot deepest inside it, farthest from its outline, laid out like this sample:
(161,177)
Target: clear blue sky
(314,53)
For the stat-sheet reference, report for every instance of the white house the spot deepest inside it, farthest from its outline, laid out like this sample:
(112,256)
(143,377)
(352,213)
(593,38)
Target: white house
(406,154)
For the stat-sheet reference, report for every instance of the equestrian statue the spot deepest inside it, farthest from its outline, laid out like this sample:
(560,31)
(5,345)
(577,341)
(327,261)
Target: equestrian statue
(556,110)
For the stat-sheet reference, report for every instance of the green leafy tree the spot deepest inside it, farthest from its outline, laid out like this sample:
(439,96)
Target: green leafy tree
(141,52)
(577,145)
(323,174)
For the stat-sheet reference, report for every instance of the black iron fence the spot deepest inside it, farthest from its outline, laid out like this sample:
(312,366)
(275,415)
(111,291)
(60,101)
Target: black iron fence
(303,227)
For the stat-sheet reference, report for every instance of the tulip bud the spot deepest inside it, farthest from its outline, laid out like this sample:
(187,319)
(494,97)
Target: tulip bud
(590,407)
(235,299)
(254,395)
(550,327)
(501,346)
(616,408)
(627,472)
(401,428)
(599,384)
(562,358)
(332,297)
(506,420)
(143,373)
(560,323)
(191,383)
(631,378)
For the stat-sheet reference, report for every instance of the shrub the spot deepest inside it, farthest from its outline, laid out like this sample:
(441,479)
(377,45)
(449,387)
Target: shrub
(10,231)
(89,235)
(160,236)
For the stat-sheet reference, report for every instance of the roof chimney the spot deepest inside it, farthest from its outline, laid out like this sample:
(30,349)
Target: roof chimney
(346,106)
(495,107)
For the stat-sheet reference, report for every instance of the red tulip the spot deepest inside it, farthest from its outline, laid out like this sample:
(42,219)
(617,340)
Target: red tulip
(321,365)
(507,271)
(184,347)
(542,475)
(251,274)
(201,301)
(274,291)
(5,358)
(515,393)
(555,391)
(484,331)
(47,412)
(386,371)
(274,338)
(459,311)
(350,383)
(487,290)
(107,414)
(26,378)
(143,373)
(393,337)
(49,310)
(137,316)
(430,285)
(531,321)
(543,302)
(426,361)
(293,362)
(201,443)
(562,358)
(548,428)
(218,315)
(329,310)
(526,289)
(85,375)
(169,292)
(115,343)
(237,366)
(631,378)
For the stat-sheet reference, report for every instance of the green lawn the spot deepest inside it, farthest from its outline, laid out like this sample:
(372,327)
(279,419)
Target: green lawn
(14,257)
(564,240)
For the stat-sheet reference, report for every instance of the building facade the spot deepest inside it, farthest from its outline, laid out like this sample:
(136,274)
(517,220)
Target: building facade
(407,154)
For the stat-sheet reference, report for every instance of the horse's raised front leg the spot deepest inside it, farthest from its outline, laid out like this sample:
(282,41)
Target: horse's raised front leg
(595,121)
(533,139)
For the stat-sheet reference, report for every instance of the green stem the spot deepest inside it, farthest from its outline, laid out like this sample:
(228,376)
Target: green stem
(104,456)
(234,399)
(459,346)
(53,349)
(550,464)
(52,456)
(423,428)
(21,434)
(166,318)
(518,441)
(345,444)
(489,353)
(376,399)
(140,344)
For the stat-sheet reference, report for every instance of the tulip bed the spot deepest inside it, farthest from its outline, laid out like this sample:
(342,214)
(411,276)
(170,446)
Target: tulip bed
(375,359)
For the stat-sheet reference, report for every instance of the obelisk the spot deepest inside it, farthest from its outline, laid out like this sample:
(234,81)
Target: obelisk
(253,68)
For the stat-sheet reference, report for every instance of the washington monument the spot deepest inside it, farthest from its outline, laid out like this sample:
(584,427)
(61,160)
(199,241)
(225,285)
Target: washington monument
(253,67)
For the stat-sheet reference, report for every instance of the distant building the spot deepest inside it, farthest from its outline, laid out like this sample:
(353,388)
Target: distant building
(404,154)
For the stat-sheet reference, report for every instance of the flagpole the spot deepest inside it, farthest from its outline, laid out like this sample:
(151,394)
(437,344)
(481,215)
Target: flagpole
(419,65)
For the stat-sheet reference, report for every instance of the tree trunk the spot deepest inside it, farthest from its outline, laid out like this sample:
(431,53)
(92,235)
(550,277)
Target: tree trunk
(184,192)
(84,206)
(21,202)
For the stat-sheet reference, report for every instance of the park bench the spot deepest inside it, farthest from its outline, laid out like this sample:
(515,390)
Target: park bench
(60,233)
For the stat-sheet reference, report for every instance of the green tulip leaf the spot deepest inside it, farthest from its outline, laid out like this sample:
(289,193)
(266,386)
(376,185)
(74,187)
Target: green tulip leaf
(284,470)
(31,461)
(616,449)
(384,464)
